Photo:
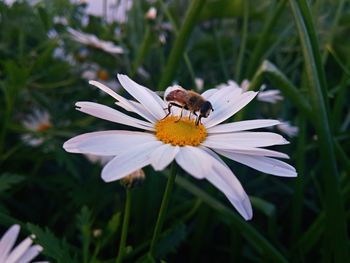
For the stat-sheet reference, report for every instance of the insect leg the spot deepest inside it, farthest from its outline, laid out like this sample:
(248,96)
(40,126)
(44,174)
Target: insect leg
(182,109)
(169,110)
(199,120)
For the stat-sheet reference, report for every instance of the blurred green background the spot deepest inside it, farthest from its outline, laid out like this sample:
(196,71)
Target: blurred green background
(298,47)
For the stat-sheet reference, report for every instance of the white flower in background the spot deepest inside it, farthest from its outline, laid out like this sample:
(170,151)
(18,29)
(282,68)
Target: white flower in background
(110,10)
(288,129)
(95,42)
(52,33)
(270,96)
(199,83)
(195,148)
(22,253)
(60,20)
(37,122)
(143,73)
(94,71)
(162,38)
(151,14)
(119,11)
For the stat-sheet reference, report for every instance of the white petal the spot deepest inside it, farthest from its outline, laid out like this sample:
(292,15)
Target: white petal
(124,103)
(138,108)
(242,126)
(262,164)
(243,139)
(258,152)
(270,96)
(228,106)
(163,156)
(7,241)
(31,253)
(194,161)
(110,114)
(106,143)
(19,250)
(222,178)
(208,93)
(149,100)
(129,161)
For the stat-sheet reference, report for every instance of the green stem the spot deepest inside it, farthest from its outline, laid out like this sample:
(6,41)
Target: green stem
(163,209)
(125,227)
(176,30)
(218,45)
(180,43)
(142,51)
(298,198)
(336,225)
(263,41)
(238,75)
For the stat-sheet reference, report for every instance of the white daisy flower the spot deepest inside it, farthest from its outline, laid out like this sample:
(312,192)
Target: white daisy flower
(288,128)
(94,71)
(199,83)
(194,147)
(60,20)
(269,96)
(151,14)
(95,42)
(119,11)
(37,122)
(22,253)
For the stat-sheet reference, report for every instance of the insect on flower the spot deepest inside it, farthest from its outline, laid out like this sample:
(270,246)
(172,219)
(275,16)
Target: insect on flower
(188,100)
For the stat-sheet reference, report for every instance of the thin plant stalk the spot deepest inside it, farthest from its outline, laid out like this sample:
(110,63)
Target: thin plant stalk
(176,30)
(238,75)
(261,46)
(180,43)
(163,209)
(125,226)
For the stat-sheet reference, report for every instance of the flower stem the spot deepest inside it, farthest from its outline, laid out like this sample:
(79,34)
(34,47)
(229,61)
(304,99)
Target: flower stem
(125,226)
(162,210)
(178,49)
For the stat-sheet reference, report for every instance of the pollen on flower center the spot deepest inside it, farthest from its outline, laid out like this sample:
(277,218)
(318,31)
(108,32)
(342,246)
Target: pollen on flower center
(182,132)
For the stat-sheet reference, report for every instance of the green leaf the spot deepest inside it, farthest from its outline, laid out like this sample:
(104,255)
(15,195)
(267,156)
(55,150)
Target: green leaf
(84,221)
(7,181)
(111,229)
(267,208)
(53,247)
(172,240)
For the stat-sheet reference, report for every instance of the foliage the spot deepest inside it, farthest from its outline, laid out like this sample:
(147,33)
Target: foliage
(299,47)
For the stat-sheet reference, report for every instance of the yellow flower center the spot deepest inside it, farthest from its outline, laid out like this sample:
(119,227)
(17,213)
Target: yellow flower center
(182,132)
(43,127)
(103,75)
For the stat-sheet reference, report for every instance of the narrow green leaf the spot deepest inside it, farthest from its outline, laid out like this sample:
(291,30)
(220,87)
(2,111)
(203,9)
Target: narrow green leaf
(53,247)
